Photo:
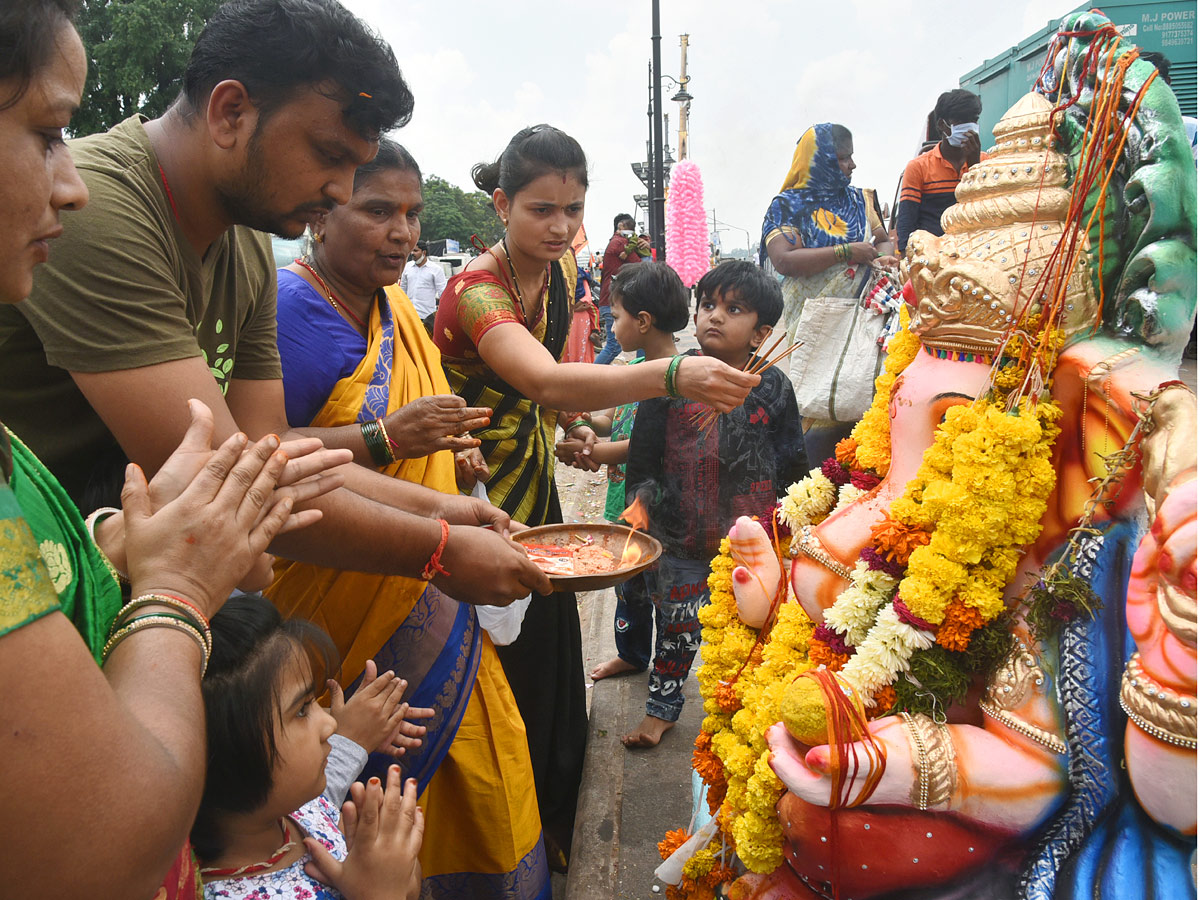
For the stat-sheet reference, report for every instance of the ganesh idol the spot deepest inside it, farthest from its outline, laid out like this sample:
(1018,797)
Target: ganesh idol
(962,662)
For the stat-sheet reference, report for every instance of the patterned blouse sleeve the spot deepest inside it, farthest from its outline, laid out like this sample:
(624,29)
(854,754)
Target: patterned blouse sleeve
(482,307)
(26,591)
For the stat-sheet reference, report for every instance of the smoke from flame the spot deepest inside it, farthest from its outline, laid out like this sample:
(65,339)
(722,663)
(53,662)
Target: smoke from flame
(637,517)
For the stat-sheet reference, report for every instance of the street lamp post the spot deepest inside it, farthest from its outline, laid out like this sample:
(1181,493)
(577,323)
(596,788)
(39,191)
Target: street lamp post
(651,220)
(657,193)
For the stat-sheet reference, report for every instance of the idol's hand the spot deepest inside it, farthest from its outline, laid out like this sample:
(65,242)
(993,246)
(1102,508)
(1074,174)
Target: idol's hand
(806,772)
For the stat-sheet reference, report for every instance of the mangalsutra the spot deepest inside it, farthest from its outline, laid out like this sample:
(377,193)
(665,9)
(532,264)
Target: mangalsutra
(512,274)
(337,304)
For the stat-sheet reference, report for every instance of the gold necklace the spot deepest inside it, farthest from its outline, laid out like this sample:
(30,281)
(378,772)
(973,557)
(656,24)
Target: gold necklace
(516,282)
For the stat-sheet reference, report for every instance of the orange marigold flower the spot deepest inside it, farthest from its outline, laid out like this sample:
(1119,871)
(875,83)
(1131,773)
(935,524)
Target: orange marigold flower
(885,699)
(819,654)
(895,540)
(672,841)
(707,765)
(960,623)
(716,794)
(727,698)
(845,452)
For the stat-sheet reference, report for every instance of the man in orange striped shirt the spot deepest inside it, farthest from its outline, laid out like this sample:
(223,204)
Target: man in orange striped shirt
(929,180)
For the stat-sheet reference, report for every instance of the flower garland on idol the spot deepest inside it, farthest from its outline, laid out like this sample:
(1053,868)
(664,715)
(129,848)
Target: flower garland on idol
(744,673)
(925,596)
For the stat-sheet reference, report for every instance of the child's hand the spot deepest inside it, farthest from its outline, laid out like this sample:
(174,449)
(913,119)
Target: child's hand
(373,714)
(407,735)
(383,837)
(566,449)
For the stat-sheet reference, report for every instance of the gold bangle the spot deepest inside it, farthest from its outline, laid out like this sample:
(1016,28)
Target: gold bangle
(807,543)
(144,622)
(1047,739)
(199,622)
(1157,710)
(936,764)
(920,791)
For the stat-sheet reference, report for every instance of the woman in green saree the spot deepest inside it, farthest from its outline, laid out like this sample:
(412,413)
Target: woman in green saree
(103,766)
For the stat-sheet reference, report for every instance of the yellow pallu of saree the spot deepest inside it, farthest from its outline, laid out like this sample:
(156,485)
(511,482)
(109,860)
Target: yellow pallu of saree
(482,831)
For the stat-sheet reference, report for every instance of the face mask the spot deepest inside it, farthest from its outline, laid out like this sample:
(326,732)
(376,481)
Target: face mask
(958,133)
(625,234)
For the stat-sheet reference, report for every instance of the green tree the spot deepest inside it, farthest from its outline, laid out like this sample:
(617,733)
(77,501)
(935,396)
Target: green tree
(138,50)
(451,212)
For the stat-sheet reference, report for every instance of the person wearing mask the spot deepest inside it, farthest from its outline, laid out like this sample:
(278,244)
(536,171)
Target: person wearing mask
(927,190)
(424,282)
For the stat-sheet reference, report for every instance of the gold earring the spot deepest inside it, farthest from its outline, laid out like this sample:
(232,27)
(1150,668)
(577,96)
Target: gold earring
(319,238)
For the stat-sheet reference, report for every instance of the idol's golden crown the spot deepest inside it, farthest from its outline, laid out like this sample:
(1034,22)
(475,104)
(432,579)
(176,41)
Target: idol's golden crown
(971,282)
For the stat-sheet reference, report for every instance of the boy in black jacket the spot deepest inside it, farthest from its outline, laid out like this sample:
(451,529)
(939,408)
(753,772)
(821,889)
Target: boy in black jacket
(696,481)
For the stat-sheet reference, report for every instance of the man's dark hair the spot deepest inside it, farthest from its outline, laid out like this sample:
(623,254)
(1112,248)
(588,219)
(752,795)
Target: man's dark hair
(957,106)
(278,47)
(531,153)
(423,246)
(392,157)
(623,217)
(743,280)
(28,34)
(1159,62)
(652,287)
(251,648)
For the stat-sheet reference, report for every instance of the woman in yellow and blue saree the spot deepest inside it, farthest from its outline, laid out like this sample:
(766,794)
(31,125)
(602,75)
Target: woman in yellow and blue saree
(344,367)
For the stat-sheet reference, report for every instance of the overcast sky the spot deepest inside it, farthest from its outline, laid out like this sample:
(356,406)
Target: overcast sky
(762,71)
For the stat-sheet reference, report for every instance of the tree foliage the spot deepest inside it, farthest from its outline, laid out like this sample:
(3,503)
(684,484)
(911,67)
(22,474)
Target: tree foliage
(451,212)
(138,50)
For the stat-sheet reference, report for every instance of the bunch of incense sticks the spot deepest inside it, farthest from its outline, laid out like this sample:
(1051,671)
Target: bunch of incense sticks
(704,419)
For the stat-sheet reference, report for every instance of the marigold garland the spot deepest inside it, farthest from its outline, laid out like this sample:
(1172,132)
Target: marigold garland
(742,688)
(872,436)
(961,525)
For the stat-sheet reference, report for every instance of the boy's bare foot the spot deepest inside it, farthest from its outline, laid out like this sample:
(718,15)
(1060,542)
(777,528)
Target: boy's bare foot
(648,732)
(615,666)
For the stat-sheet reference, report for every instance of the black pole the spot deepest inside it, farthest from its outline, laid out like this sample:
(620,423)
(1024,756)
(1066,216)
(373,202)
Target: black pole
(658,198)
(650,219)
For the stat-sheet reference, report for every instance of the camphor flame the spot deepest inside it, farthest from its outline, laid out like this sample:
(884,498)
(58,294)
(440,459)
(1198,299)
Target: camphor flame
(637,517)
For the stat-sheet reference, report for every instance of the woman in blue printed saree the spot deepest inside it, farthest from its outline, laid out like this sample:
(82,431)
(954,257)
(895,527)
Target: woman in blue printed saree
(822,234)
(482,832)
(501,326)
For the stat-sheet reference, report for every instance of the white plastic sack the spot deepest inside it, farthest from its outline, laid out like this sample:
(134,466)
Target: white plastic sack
(502,623)
(671,871)
(833,373)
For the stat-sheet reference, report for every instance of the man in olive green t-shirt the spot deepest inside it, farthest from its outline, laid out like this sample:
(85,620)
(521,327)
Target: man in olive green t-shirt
(159,291)
(126,290)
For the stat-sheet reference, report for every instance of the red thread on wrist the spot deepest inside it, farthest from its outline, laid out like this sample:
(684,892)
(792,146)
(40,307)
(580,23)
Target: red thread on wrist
(434,566)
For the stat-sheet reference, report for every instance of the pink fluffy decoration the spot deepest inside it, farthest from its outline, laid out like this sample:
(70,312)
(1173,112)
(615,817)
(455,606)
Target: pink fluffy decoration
(687,228)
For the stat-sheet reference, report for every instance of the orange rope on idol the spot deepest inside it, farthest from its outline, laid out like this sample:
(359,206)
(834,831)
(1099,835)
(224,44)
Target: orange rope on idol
(1103,142)
(846,725)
